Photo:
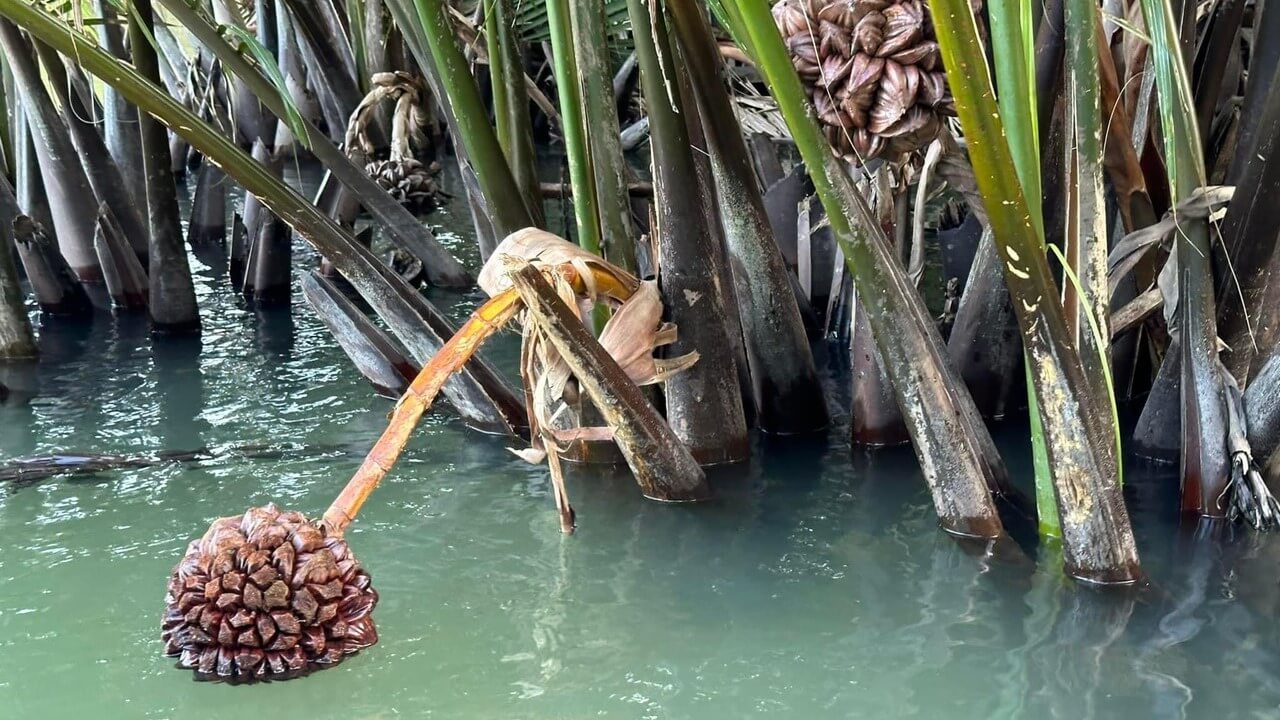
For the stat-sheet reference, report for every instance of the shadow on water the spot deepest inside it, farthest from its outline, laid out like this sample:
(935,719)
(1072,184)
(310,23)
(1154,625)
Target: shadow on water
(177,366)
(274,332)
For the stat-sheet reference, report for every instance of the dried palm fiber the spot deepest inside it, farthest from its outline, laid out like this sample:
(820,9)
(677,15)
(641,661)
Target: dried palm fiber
(588,276)
(269,594)
(872,70)
(632,334)
(403,176)
(635,328)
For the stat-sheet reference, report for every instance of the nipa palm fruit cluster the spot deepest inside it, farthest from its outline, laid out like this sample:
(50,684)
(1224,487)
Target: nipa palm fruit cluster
(411,182)
(404,177)
(267,595)
(873,71)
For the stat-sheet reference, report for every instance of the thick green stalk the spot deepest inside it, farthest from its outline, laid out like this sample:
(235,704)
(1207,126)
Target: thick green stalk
(1086,244)
(1047,520)
(573,124)
(359,50)
(600,115)
(951,442)
(1204,424)
(505,206)
(405,15)
(1012,43)
(1184,157)
(494,29)
(728,16)
(1049,43)
(511,102)
(1098,541)
(7,165)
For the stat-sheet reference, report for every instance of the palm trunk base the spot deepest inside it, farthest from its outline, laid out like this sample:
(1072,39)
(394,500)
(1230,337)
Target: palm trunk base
(876,420)
(1156,437)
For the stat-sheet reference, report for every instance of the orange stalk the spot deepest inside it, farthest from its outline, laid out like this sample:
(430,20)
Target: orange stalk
(483,323)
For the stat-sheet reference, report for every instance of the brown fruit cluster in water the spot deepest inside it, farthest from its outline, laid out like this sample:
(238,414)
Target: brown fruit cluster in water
(410,182)
(267,595)
(873,71)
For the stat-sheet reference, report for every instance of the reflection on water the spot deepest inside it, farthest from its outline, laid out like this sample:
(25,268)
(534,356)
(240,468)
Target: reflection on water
(815,585)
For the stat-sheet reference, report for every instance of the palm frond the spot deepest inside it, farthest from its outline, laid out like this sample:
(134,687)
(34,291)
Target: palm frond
(534,25)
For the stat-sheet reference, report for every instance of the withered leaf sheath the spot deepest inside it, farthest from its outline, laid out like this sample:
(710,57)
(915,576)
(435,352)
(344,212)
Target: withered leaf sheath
(267,595)
(872,70)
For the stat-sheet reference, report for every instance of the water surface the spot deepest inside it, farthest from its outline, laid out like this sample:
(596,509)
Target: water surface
(816,586)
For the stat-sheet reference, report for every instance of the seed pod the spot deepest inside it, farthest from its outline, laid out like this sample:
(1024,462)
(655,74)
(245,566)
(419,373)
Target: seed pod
(873,71)
(267,595)
(409,181)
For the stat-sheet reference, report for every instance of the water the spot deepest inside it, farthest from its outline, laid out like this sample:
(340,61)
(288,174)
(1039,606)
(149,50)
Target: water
(815,586)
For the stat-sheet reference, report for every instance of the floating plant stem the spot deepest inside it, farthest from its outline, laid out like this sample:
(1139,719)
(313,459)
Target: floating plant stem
(483,323)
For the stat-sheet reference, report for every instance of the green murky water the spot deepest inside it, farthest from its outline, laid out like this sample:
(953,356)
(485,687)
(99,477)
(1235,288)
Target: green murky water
(815,586)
